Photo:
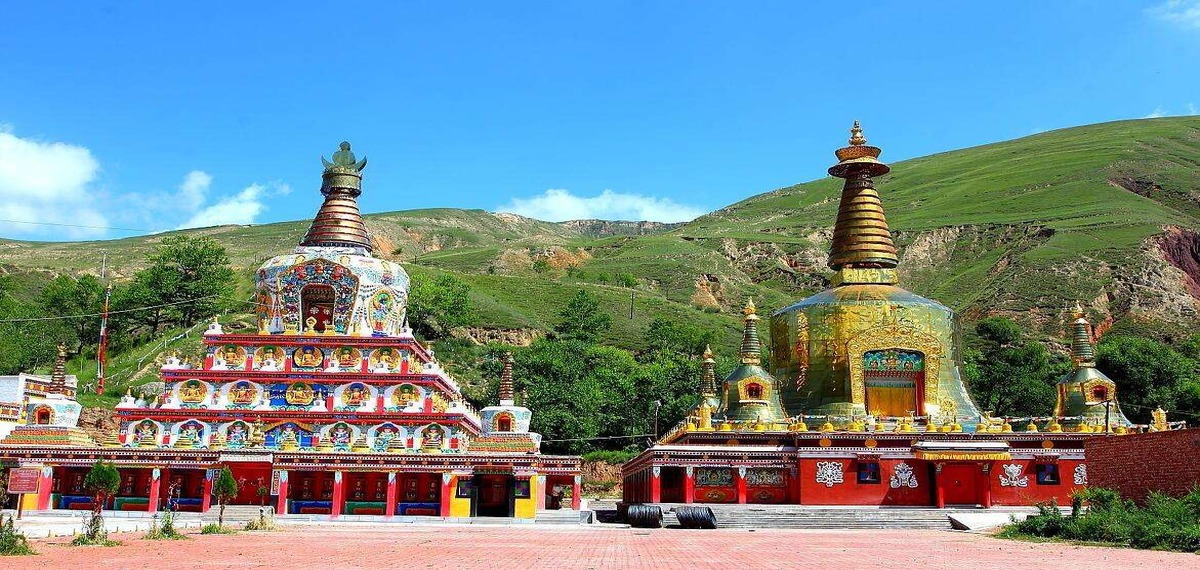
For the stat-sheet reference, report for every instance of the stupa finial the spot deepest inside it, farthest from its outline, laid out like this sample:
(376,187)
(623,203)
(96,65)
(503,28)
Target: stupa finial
(1083,354)
(506,380)
(856,135)
(338,223)
(751,347)
(861,237)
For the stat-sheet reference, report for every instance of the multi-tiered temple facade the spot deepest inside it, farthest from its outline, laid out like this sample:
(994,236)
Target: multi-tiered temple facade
(863,401)
(330,407)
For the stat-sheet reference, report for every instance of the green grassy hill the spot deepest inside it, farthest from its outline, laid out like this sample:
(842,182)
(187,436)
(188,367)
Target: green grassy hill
(1106,214)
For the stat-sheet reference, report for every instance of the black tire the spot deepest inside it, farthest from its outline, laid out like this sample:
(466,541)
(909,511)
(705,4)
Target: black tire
(645,516)
(696,517)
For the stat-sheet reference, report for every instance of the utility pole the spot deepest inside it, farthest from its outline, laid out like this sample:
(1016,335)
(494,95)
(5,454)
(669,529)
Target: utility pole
(631,304)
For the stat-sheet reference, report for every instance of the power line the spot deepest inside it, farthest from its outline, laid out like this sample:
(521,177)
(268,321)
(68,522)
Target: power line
(32,319)
(79,226)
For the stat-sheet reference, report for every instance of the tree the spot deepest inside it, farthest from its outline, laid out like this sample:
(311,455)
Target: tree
(225,488)
(67,296)
(1009,375)
(582,319)
(437,305)
(1147,373)
(102,481)
(677,337)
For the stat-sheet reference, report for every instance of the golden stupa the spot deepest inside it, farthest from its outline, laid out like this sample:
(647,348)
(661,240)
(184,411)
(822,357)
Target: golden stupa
(1085,394)
(867,346)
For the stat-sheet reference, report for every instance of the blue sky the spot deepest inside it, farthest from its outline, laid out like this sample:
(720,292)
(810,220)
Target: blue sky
(152,116)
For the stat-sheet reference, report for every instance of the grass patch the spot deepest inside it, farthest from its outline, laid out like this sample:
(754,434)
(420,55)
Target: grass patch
(214,528)
(1162,523)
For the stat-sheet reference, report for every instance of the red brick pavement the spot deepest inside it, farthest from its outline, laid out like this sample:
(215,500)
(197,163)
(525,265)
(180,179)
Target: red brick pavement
(350,546)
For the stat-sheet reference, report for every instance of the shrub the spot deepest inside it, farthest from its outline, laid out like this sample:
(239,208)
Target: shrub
(12,541)
(164,530)
(1163,523)
(263,522)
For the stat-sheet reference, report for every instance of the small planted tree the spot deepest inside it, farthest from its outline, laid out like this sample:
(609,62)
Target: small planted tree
(225,488)
(102,481)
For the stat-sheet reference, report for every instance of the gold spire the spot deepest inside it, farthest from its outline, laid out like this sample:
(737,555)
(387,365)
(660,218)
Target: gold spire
(1083,355)
(708,377)
(506,381)
(338,223)
(751,347)
(861,238)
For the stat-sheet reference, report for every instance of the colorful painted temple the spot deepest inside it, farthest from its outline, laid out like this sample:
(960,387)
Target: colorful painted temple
(863,401)
(332,407)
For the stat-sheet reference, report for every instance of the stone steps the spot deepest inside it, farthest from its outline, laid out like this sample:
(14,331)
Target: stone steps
(812,517)
(562,517)
(236,513)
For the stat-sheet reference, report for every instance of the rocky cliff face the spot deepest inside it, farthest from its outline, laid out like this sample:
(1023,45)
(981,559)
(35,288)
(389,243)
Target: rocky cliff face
(606,228)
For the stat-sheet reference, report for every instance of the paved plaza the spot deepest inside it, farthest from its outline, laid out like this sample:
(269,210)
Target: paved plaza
(353,546)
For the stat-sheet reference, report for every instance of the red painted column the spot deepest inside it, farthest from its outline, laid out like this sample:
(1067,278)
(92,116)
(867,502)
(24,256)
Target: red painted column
(339,491)
(689,485)
(655,484)
(281,501)
(986,473)
(739,479)
(577,493)
(206,498)
(155,489)
(447,480)
(45,488)
(941,489)
(392,487)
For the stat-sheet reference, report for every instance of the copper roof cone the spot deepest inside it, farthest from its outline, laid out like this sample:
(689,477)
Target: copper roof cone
(338,223)
(861,238)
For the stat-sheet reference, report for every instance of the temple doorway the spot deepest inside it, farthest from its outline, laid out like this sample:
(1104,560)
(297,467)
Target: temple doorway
(959,483)
(316,302)
(494,495)
(895,380)
(254,483)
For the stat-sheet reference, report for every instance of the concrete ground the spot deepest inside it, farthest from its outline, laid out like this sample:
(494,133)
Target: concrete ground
(361,545)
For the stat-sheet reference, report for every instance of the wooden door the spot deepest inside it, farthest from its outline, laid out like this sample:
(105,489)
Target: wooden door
(960,483)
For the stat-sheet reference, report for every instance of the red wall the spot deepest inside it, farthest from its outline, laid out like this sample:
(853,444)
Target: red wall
(1033,493)
(1138,464)
(851,492)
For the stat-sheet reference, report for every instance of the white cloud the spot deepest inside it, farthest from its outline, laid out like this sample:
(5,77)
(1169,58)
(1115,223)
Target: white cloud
(194,190)
(1156,113)
(1182,13)
(47,183)
(559,205)
(241,208)
(1191,109)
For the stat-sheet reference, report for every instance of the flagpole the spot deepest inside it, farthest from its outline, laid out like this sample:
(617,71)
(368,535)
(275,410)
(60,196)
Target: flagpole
(102,349)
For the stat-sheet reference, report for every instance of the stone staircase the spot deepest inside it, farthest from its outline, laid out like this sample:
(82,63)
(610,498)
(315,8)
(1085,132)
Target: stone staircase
(236,513)
(815,517)
(562,517)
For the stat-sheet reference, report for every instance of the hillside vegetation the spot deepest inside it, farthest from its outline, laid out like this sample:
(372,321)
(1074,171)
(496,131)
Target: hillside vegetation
(1106,214)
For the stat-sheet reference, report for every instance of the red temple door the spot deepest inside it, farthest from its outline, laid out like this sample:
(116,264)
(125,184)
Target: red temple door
(960,483)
